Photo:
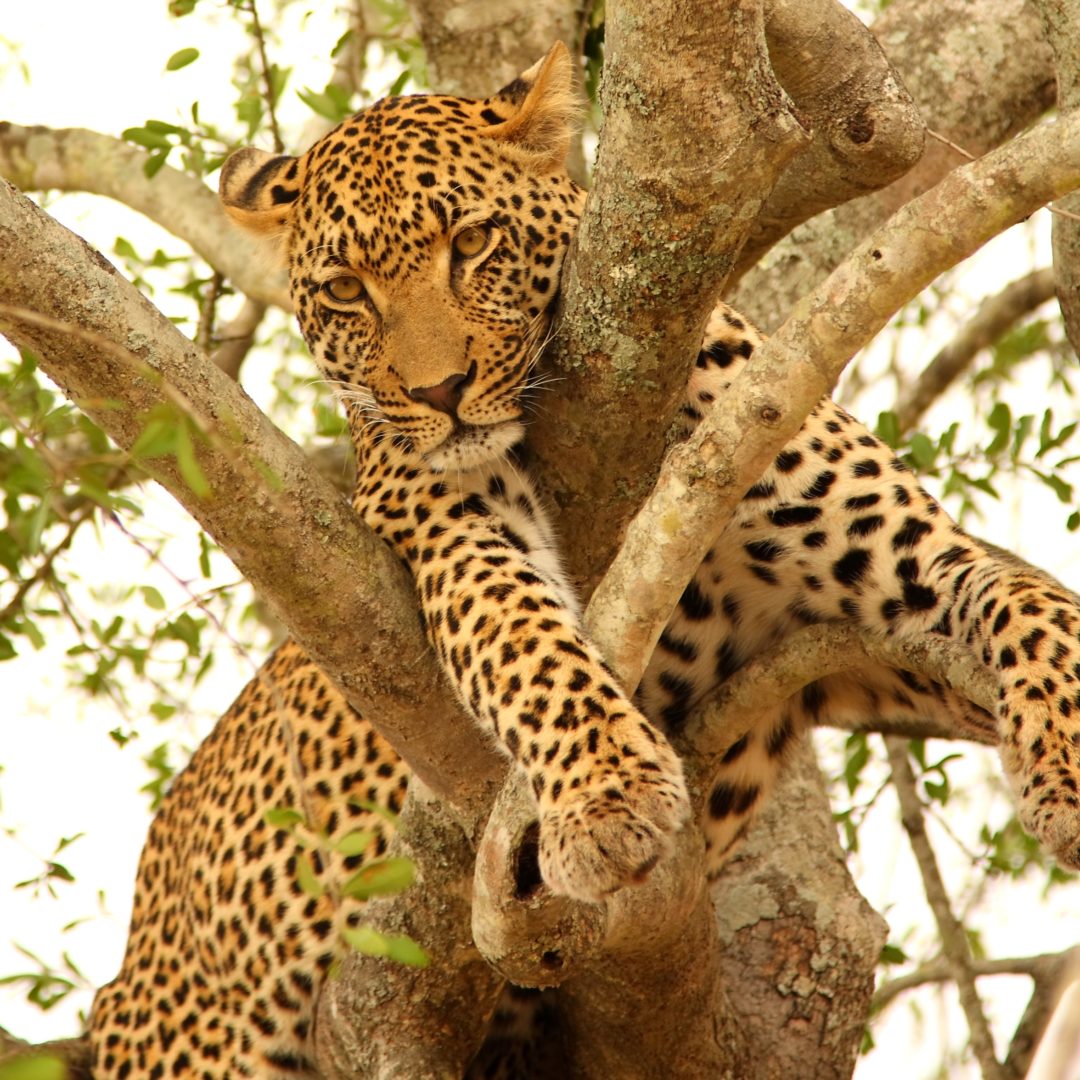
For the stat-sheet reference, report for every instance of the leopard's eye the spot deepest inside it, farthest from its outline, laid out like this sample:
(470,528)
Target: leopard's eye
(345,289)
(471,241)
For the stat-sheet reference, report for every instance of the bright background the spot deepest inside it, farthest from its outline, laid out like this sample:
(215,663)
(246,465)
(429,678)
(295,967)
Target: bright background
(63,775)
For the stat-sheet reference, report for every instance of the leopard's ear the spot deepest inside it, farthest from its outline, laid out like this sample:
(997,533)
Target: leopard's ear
(538,111)
(258,190)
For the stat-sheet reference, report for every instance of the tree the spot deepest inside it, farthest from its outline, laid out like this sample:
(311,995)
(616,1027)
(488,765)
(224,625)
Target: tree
(749,103)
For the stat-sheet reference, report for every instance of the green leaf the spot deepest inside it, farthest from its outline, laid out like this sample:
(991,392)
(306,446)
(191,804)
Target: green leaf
(283,817)
(923,451)
(329,422)
(1000,422)
(383,878)
(368,940)
(162,128)
(124,249)
(938,792)
(162,711)
(888,428)
(151,140)
(204,555)
(305,876)
(181,59)
(188,463)
(1061,488)
(892,954)
(39,1067)
(157,439)
(152,598)
(355,842)
(858,754)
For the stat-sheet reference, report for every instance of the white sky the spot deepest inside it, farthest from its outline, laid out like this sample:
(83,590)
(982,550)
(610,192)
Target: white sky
(62,774)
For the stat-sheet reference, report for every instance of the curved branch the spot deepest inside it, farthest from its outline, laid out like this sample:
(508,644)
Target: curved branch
(866,131)
(980,72)
(1062,26)
(702,479)
(815,653)
(74,159)
(1045,967)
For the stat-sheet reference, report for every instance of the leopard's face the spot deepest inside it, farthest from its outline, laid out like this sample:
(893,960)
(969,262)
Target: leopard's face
(424,240)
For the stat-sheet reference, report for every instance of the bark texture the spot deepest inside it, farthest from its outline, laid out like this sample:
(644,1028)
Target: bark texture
(799,944)
(865,129)
(295,538)
(696,111)
(980,71)
(1061,22)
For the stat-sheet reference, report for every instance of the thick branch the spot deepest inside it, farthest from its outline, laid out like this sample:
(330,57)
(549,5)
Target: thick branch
(995,315)
(1062,25)
(980,72)
(73,159)
(689,114)
(295,539)
(702,479)
(799,943)
(817,652)
(866,130)
(954,942)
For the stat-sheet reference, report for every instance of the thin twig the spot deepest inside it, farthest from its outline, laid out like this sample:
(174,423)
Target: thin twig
(204,335)
(257,31)
(1045,966)
(44,568)
(954,942)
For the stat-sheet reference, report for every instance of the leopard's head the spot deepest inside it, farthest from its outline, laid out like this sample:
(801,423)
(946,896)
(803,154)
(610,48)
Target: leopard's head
(424,240)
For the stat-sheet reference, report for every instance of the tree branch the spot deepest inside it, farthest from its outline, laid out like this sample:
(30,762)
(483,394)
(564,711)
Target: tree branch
(702,479)
(954,942)
(296,540)
(1049,973)
(73,159)
(865,129)
(817,652)
(1062,27)
(696,112)
(979,71)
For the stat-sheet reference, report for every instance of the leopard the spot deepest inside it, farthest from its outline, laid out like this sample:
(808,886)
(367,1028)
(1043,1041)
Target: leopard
(424,240)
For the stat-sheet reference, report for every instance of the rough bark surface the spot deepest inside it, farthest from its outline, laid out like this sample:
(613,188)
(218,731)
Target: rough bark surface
(865,129)
(798,943)
(696,111)
(979,70)
(1061,22)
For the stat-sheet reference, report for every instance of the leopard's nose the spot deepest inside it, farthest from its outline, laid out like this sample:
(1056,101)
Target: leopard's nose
(446,396)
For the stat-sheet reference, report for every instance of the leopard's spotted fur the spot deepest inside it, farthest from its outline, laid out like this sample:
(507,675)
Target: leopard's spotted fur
(424,239)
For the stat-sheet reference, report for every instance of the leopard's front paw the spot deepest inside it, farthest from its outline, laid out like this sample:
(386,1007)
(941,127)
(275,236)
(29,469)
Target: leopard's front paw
(615,826)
